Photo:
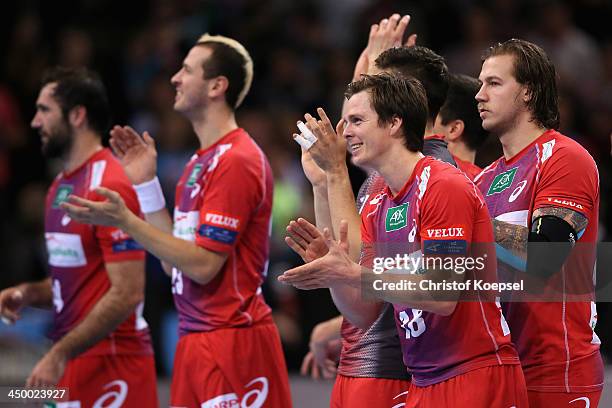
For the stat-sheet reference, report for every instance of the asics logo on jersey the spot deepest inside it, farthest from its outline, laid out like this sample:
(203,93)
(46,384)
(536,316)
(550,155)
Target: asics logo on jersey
(118,397)
(587,402)
(401,397)
(254,398)
(502,181)
(222,220)
(66,220)
(396,218)
(452,232)
(517,191)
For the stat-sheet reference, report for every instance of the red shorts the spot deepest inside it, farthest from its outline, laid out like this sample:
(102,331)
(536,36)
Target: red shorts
(230,368)
(110,380)
(564,399)
(488,387)
(357,392)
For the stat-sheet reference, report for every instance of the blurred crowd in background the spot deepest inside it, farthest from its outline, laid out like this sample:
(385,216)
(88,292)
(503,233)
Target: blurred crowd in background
(304,53)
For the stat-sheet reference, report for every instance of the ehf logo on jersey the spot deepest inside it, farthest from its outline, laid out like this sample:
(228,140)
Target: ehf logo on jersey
(195,173)
(502,181)
(397,218)
(61,195)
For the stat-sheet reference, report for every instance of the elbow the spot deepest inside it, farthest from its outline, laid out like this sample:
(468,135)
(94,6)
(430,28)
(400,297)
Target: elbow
(202,274)
(132,300)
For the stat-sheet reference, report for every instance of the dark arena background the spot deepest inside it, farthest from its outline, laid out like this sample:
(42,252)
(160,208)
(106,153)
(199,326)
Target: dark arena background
(304,53)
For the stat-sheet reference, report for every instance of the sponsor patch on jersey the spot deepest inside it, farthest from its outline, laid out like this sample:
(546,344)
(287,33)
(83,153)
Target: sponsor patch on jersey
(448,232)
(195,173)
(229,400)
(61,194)
(502,181)
(565,203)
(126,245)
(444,247)
(65,250)
(222,220)
(186,224)
(397,218)
(219,234)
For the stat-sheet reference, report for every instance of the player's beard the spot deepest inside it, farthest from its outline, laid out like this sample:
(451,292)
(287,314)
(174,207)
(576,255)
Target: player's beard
(59,141)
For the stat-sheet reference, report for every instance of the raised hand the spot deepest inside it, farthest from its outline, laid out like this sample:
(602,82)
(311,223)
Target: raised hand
(136,154)
(384,35)
(329,151)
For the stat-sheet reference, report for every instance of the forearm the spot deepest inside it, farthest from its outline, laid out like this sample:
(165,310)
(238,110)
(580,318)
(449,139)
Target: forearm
(348,298)
(321,208)
(186,256)
(511,237)
(38,294)
(110,311)
(342,206)
(436,301)
(161,220)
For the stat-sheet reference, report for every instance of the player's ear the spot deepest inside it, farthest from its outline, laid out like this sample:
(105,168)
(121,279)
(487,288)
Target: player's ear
(77,116)
(526,93)
(395,125)
(218,86)
(455,130)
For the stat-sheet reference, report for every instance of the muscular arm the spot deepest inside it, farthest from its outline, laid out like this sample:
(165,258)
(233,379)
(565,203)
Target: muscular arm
(514,237)
(127,281)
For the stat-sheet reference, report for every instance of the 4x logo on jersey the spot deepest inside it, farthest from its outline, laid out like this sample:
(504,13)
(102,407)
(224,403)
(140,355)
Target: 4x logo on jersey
(502,181)
(397,218)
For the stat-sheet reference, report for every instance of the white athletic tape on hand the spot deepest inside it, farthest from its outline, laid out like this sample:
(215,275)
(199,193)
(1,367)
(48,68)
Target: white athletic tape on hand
(6,321)
(306,138)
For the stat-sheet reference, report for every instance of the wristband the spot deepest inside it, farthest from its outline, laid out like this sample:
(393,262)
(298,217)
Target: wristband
(150,196)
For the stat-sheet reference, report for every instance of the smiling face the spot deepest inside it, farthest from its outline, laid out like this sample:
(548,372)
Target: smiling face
(502,101)
(55,132)
(189,83)
(366,138)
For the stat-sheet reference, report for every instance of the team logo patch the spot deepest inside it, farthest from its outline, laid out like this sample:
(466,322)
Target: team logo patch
(193,177)
(61,195)
(396,218)
(222,235)
(449,232)
(502,181)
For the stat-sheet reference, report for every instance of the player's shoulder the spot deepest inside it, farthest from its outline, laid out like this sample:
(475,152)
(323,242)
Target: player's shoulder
(447,183)
(445,174)
(106,171)
(241,154)
(556,147)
